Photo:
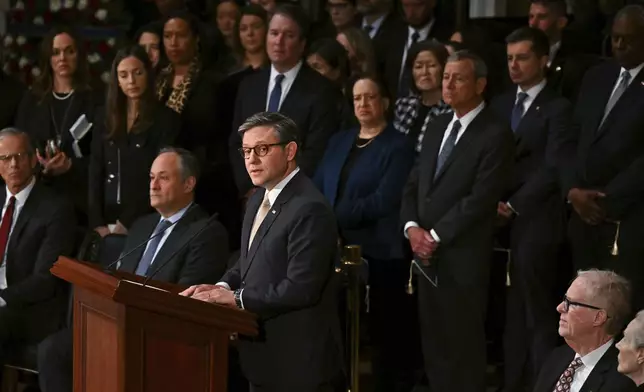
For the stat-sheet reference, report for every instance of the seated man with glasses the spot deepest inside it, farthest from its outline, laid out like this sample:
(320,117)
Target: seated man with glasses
(594,310)
(37,226)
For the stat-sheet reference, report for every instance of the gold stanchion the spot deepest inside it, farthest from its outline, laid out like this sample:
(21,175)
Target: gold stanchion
(351,264)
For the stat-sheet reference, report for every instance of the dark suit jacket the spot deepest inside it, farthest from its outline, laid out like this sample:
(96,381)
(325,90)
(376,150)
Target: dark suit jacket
(369,209)
(611,158)
(312,102)
(34,118)
(390,25)
(540,136)
(12,92)
(567,70)
(126,160)
(391,52)
(460,203)
(44,230)
(603,378)
(203,260)
(287,279)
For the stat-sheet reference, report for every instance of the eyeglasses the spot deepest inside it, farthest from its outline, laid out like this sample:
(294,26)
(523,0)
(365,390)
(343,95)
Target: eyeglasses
(567,303)
(260,150)
(6,158)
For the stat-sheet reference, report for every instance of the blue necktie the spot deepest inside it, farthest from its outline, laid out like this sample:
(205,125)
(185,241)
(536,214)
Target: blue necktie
(448,147)
(276,94)
(148,256)
(517,111)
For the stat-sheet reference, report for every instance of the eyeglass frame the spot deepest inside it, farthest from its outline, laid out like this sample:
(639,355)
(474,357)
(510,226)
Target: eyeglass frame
(567,302)
(268,146)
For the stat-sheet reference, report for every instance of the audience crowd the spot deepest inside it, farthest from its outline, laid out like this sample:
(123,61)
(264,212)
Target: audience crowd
(442,160)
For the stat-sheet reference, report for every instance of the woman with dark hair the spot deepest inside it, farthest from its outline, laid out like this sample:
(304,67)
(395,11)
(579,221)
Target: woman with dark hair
(249,38)
(414,112)
(58,114)
(361,175)
(190,89)
(135,127)
(149,37)
(225,14)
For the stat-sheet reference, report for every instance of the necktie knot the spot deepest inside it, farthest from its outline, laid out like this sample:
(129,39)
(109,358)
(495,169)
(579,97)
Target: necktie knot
(367,29)
(415,37)
(278,79)
(626,78)
(576,364)
(163,225)
(521,97)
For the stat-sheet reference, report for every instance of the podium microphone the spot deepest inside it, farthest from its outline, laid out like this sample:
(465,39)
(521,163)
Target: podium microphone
(182,247)
(126,254)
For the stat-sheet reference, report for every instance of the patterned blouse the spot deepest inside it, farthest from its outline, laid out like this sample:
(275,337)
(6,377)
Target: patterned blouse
(407,109)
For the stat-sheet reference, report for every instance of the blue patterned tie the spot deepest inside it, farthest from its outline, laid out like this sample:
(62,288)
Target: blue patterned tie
(148,256)
(448,147)
(276,94)
(517,111)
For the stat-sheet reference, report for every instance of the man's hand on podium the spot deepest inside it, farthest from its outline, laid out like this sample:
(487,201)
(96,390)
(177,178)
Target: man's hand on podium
(211,293)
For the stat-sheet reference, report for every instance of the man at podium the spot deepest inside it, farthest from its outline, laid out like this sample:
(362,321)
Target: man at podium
(285,270)
(180,252)
(35,230)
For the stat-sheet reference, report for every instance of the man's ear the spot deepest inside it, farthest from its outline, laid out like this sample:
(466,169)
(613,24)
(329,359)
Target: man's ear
(189,184)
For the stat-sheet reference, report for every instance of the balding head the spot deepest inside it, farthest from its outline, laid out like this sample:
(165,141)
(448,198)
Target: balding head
(627,37)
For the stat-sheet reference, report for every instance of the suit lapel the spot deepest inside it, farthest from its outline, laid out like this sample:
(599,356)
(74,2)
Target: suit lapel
(251,211)
(597,377)
(297,90)
(28,211)
(557,370)
(463,144)
(171,244)
(534,111)
(259,95)
(603,93)
(130,263)
(434,138)
(634,91)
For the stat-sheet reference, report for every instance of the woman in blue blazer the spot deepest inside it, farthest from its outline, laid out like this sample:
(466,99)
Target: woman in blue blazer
(362,176)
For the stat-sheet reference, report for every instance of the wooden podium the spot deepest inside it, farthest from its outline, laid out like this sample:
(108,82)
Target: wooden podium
(134,338)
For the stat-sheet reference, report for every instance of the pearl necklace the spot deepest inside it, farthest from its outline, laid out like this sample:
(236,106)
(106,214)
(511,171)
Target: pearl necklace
(62,96)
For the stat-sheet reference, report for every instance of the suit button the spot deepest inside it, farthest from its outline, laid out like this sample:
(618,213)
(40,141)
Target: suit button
(109,181)
(138,145)
(111,175)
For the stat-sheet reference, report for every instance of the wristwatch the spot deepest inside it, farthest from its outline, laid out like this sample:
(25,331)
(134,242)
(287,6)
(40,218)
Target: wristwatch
(237,295)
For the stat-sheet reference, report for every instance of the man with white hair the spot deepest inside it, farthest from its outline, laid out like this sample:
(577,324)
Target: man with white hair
(595,309)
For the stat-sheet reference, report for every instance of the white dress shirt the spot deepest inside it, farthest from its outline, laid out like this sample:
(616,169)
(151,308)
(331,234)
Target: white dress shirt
(633,71)
(272,196)
(287,82)
(590,360)
(423,33)
(21,199)
(375,26)
(173,219)
(532,92)
(465,121)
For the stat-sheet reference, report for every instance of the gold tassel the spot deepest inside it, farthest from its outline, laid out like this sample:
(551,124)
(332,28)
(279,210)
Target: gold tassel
(615,250)
(410,286)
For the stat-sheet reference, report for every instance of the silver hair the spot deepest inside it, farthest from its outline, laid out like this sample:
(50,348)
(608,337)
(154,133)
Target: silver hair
(188,163)
(637,338)
(12,131)
(284,127)
(613,293)
(480,68)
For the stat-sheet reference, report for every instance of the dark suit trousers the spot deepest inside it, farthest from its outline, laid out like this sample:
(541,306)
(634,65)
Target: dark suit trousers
(531,317)
(592,245)
(452,329)
(55,362)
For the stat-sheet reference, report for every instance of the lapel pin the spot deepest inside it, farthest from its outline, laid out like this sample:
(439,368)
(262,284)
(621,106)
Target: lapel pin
(274,212)
(538,108)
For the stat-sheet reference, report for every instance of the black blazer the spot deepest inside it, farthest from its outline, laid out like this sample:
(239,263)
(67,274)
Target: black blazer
(312,102)
(12,92)
(603,378)
(287,279)
(126,161)
(567,70)
(44,231)
(610,158)
(203,260)
(539,140)
(34,117)
(460,203)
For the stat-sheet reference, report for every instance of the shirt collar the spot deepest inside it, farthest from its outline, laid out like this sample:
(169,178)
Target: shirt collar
(177,215)
(376,23)
(422,32)
(534,90)
(633,71)
(275,192)
(591,359)
(290,74)
(469,117)
(23,195)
